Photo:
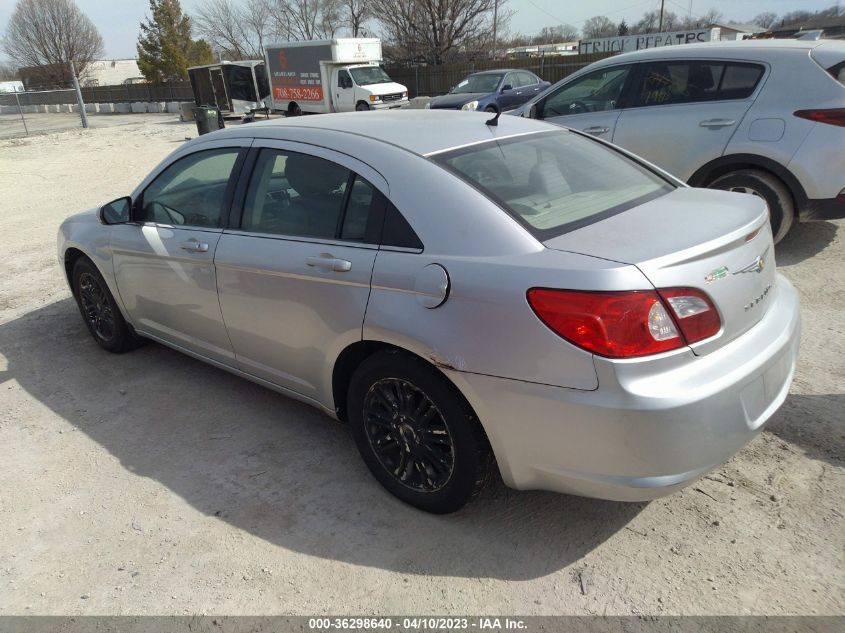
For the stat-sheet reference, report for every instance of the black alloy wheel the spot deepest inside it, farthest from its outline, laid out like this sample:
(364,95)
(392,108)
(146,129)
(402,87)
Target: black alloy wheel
(408,435)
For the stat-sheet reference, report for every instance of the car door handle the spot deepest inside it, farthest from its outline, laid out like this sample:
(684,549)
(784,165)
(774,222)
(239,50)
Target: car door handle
(194,246)
(597,130)
(519,92)
(717,123)
(327,261)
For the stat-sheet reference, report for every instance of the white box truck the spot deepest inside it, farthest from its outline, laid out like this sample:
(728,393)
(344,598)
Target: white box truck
(338,75)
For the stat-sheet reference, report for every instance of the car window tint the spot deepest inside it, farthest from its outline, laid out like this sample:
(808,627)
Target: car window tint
(191,191)
(740,80)
(357,216)
(343,79)
(664,83)
(527,79)
(510,80)
(291,193)
(555,182)
(595,92)
(397,231)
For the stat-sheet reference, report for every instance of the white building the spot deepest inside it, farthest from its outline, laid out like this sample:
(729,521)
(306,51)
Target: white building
(111,72)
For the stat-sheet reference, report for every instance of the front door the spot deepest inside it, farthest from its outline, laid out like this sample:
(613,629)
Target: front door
(164,258)
(294,277)
(590,103)
(344,92)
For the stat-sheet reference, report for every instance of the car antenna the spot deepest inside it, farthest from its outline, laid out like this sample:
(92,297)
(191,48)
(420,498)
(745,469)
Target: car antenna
(495,120)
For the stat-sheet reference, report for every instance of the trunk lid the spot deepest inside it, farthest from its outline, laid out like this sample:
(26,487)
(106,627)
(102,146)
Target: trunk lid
(693,238)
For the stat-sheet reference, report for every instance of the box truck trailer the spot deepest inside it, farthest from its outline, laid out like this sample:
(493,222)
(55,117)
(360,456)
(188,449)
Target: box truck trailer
(236,88)
(337,75)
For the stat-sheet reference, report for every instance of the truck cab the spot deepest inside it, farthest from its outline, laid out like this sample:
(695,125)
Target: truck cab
(365,87)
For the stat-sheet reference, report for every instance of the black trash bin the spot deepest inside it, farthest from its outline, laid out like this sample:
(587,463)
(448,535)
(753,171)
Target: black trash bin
(208,119)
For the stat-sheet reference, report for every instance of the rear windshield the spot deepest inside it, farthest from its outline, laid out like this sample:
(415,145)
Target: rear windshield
(555,182)
(838,72)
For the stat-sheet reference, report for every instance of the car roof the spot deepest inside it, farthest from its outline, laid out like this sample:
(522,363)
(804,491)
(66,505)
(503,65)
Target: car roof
(496,71)
(418,131)
(740,49)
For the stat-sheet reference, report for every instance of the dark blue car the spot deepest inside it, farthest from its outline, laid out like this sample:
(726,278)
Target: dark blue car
(492,90)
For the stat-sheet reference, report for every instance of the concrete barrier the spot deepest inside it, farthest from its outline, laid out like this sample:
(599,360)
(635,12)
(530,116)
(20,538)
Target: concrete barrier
(122,108)
(419,102)
(155,106)
(173,107)
(52,108)
(138,107)
(91,108)
(105,108)
(8,109)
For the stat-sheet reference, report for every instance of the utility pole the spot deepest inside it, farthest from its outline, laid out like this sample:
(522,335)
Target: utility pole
(79,100)
(495,25)
(660,28)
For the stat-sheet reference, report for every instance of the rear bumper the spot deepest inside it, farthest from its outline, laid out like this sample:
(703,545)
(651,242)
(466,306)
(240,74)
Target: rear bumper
(651,427)
(828,209)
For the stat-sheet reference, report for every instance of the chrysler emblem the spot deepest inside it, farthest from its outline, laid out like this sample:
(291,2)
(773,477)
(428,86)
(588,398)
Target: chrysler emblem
(756,266)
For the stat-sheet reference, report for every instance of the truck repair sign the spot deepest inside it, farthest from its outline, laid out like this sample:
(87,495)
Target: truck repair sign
(295,72)
(624,44)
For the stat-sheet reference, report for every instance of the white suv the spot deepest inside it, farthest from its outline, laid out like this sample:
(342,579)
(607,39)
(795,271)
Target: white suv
(762,117)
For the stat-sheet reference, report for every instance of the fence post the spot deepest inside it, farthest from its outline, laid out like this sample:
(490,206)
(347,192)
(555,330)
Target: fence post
(79,100)
(23,120)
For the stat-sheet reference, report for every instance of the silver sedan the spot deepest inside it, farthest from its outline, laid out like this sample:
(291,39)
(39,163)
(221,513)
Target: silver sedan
(463,294)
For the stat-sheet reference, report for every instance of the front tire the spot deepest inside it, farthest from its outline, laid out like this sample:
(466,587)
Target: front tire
(99,310)
(769,188)
(491,109)
(415,432)
(362,107)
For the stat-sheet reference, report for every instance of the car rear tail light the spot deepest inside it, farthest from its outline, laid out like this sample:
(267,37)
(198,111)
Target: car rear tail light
(694,313)
(626,324)
(831,116)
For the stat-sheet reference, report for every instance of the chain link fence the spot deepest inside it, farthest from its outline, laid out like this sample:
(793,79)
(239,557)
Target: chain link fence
(43,111)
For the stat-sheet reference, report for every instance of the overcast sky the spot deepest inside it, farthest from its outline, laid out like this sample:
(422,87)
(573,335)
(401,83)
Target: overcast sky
(118,20)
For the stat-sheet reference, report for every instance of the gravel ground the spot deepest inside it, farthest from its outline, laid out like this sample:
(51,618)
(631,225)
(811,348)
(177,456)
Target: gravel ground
(150,483)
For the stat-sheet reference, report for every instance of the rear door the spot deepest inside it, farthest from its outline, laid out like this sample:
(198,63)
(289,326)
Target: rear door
(681,114)
(294,273)
(590,103)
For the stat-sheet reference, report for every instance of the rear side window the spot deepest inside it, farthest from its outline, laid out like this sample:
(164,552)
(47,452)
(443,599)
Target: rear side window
(666,83)
(838,72)
(740,80)
(555,182)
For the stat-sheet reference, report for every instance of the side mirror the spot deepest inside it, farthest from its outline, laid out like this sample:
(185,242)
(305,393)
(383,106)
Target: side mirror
(507,87)
(116,211)
(533,112)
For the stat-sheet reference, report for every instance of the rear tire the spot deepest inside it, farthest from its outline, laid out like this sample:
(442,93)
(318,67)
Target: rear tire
(417,435)
(768,187)
(362,107)
(99,310)
(293,109)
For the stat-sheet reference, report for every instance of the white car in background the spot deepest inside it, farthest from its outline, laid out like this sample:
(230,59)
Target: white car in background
(762,117)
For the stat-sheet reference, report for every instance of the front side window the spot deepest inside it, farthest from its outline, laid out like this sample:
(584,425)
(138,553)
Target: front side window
(555,182)
(191,191)
(297,194)
(596,92)
(343,79)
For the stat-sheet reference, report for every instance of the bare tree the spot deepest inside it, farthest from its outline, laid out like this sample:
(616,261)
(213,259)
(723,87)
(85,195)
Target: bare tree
(355,14)
(711,16)
(599,26)
(305,19)
(50,34)
(766,20)
(8,71)
(436,31)
(236,31)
